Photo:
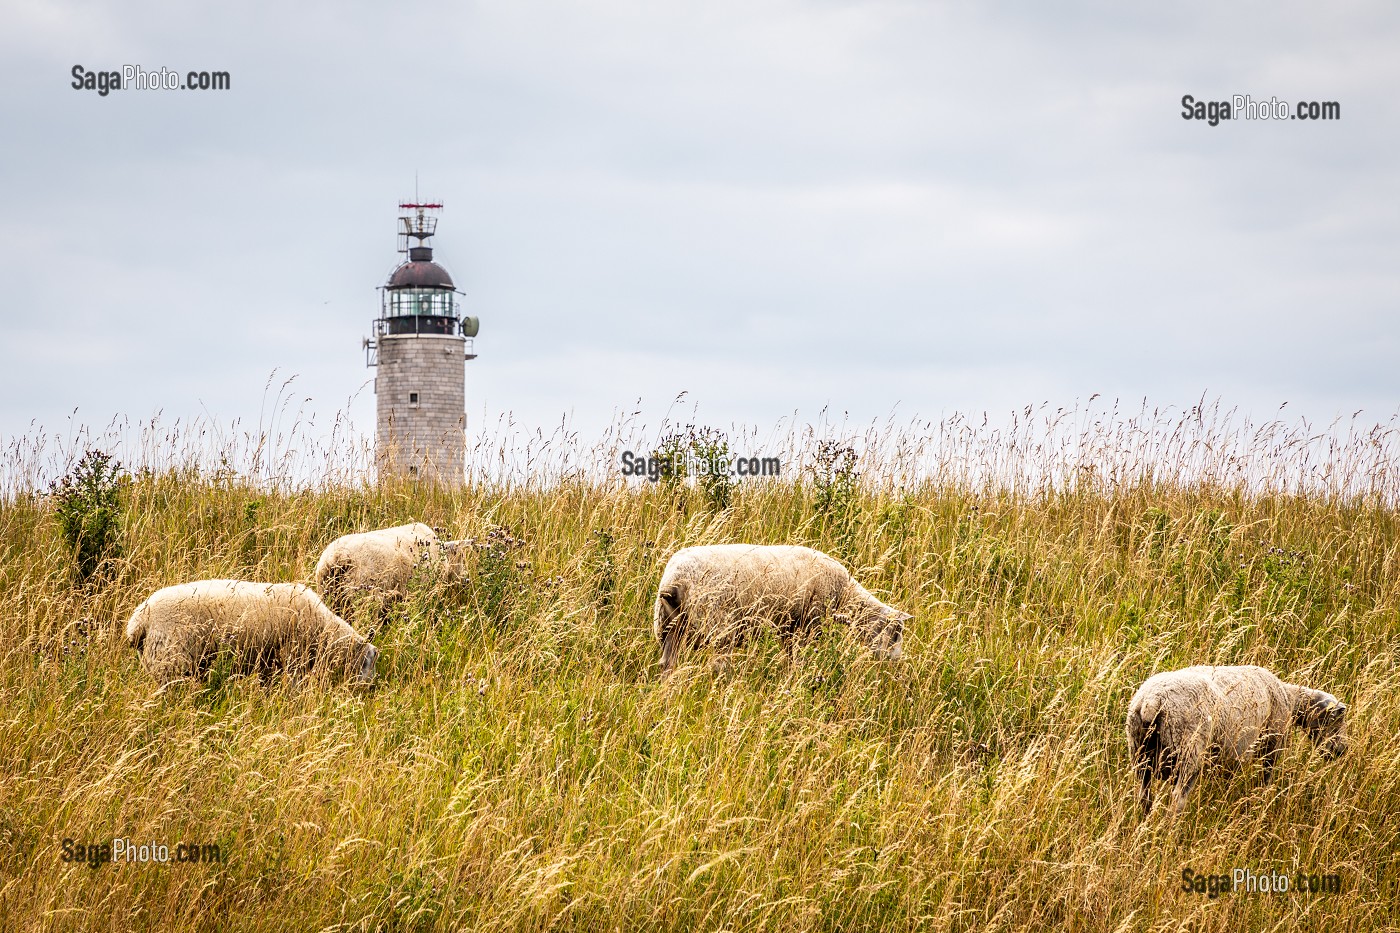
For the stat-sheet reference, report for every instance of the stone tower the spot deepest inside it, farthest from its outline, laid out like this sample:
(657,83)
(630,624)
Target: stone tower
(420,344)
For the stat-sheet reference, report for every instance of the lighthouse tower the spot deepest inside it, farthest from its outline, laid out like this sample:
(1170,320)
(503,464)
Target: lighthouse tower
(420,343)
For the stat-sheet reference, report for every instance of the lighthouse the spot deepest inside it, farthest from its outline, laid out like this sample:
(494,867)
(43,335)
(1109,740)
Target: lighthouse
(420,344)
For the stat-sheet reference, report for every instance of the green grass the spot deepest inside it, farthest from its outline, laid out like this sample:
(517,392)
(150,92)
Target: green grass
(520,765)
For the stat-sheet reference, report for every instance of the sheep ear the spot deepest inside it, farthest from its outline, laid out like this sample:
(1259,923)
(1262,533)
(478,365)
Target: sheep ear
(1330,708)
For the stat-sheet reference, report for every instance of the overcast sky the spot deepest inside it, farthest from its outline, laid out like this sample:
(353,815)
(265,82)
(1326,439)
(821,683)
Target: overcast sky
(773,206)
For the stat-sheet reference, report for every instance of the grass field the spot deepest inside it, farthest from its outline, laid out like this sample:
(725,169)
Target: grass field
(521,766)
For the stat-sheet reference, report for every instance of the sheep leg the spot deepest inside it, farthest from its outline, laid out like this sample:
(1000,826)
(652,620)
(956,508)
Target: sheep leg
(670,622)
(1147,757)
(167,670)
(1269,757)
(1188,770)
(670,649)
(169,660)
(1147,764)
(1184,783)
(787,637)
(1144,791)
(792,634)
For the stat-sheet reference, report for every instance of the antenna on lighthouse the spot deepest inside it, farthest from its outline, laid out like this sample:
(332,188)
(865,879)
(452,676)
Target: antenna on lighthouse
(418,226)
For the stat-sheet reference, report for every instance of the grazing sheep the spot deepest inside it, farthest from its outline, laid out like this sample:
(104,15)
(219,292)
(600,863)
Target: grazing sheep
(180,629)
(717,594)
(1181,721)
(381,562)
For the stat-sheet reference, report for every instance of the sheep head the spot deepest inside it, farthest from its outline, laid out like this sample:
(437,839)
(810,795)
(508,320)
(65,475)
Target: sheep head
(1324,718)
(365,675)
(888,642)
(351,658)
(882,629)
(456,556)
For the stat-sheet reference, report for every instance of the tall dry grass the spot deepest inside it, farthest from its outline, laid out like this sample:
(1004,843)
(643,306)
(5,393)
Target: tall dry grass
(520,765)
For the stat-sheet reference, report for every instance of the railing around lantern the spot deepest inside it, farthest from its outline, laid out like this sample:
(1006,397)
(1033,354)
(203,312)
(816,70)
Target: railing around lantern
(394,327)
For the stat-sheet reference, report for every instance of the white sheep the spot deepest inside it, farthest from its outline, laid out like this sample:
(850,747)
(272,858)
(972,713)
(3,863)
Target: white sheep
(381,562)
(1180,722)
(180,629)
(716,595)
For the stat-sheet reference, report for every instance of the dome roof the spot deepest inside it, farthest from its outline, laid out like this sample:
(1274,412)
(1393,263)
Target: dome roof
(420,274)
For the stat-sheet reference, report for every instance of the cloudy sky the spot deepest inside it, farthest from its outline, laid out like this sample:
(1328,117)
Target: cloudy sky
(774,206)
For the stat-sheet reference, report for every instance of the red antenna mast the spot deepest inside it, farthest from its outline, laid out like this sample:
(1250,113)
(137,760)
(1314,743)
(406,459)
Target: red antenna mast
(417,225)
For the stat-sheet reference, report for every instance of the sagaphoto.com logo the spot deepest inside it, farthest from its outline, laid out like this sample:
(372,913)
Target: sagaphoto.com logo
(134,77)
(1244,107)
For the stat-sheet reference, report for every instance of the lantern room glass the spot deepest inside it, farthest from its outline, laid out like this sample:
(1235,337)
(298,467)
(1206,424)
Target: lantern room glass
(432,302)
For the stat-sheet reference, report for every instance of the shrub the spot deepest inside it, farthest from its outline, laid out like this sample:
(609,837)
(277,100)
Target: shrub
(87,503)
(836,485)
(499,582)
(708,449)
(603,566)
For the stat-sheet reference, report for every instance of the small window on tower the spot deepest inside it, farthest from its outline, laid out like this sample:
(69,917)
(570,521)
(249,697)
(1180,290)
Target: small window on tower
(413,400)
